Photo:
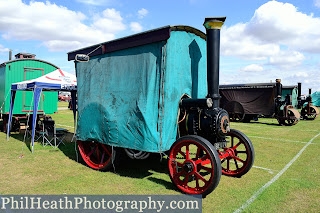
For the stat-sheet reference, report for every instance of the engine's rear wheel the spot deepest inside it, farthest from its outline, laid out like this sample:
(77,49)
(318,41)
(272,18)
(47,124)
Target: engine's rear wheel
(237,159)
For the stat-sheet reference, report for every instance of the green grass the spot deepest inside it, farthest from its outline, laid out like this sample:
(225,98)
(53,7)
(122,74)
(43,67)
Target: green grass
(50,171)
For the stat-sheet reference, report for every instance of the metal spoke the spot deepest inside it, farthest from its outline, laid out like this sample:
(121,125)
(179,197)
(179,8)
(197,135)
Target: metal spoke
(238,159)
(184,155)
(223,160)
(179,174)
(102,157)
(187,152)
(106,149)
(236,146)
(228,164)
(198,152)
(200,177)
(207,169)
(197,181)
(201,159)
(98,155)
(90,153)
(186,179)
(235,162)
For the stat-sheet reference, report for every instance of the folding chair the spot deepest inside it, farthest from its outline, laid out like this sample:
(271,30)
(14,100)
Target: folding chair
(50,135)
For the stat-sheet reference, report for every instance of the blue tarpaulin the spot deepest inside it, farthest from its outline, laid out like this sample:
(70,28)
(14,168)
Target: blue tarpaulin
(130,98)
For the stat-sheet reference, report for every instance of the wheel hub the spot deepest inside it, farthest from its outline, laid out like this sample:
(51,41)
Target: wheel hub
(231,153)
(188,167)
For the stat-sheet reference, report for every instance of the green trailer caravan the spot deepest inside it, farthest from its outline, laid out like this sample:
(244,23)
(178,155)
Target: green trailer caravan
(24,67)
(293,92)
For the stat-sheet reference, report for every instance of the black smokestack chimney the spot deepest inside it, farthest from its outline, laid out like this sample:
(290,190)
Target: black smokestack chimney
(10,55)
(278,88)
(309,91)
(299,90)
(213,27)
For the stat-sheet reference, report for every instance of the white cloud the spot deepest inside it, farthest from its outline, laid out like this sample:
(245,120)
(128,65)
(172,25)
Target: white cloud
(3,49)
(282,23)
(252,68)
(287,59)
(317,3)
(135,27)
(58,27)
(274,26)
(95,2)
(142,13)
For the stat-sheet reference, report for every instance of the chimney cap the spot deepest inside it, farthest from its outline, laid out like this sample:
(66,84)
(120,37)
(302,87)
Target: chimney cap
(214,22)
(278,80)
(25,55)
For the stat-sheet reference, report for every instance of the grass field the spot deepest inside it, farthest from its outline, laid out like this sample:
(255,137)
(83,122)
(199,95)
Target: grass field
(292,185)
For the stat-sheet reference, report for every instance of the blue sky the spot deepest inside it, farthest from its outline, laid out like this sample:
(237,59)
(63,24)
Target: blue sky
(260,41)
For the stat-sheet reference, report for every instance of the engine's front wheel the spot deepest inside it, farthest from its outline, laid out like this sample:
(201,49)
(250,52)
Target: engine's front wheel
(194,165)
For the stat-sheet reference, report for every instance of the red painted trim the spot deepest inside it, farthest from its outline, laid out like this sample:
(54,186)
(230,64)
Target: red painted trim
(53,79)
(61,72)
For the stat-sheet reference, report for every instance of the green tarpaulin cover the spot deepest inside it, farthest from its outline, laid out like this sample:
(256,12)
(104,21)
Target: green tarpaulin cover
(130,98)
(316,98)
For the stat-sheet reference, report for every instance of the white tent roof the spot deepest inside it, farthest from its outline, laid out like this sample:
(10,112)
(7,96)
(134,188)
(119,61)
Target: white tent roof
(56,80)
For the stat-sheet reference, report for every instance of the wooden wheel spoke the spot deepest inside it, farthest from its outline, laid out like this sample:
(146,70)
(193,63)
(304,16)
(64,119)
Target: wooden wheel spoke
(242,152)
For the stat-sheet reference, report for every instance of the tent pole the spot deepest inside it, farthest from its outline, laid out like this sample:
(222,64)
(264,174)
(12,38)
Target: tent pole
(36,99)
(13,96)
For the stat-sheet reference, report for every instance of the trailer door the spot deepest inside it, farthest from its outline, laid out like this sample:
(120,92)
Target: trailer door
(31,73)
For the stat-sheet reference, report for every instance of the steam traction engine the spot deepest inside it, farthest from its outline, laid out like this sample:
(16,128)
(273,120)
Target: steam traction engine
(308,112)
(284,111)
(245,102)
(200,146)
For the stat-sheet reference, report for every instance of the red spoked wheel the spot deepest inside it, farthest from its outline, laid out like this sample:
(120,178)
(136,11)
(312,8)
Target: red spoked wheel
(238,158)
(97,155)
(194,165)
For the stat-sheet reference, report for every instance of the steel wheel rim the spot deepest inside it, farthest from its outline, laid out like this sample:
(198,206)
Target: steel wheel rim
(198,178)
(314,113)
(238,158)
(96,155)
